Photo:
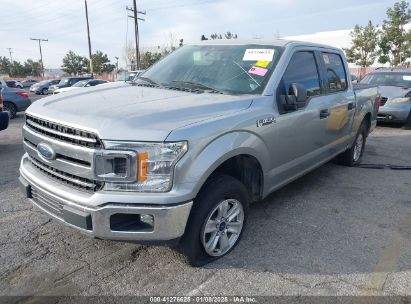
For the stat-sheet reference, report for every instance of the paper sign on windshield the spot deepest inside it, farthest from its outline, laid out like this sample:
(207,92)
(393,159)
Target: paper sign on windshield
(262,64)
(406,77)
(258,71)
(258,54)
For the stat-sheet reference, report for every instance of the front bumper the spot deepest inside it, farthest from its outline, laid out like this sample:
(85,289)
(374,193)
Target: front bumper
(393,114)
(117,220)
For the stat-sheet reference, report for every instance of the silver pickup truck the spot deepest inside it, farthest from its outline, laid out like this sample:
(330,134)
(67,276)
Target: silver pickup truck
(181,152)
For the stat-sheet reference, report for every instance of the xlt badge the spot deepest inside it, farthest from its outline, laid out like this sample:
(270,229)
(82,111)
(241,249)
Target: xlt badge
(265,121)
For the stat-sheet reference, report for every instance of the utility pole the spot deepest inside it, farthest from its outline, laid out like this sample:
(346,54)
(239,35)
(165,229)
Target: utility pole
(116,64)
(136,33)
(11,58)
(89,42)
(41,54)
(11,61)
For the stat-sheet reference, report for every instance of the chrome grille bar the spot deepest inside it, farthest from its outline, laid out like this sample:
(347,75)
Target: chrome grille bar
(63,133)
(58,133)
(68,178)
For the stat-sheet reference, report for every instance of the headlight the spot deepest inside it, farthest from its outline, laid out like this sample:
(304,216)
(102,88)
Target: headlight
(143,167)
(399,100)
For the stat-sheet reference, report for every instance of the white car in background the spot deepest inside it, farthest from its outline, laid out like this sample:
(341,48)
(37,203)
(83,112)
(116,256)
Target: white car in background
(81,84)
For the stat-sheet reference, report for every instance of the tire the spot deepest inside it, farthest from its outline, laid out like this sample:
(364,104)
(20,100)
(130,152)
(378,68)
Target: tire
(44,91)
(11,108)
(353,156)
(407,125)
(219,191)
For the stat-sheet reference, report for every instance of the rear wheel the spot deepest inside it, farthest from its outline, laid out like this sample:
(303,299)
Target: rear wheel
(45,91)
(216,221)
(353,156)
(11,108)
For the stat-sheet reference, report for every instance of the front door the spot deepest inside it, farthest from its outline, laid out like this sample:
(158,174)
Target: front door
(300,141)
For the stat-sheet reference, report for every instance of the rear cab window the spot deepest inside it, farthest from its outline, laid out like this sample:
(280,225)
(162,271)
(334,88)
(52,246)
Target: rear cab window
(336,76)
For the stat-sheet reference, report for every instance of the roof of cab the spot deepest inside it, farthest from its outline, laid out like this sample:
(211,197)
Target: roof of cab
(273,42)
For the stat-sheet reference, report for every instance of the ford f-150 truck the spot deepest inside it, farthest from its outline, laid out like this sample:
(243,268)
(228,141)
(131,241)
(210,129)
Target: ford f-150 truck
(181,152)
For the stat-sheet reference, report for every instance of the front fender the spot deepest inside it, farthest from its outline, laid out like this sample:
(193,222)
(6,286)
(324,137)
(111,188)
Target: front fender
(200,163)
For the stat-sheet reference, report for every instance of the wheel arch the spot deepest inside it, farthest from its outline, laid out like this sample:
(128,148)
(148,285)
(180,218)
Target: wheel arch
(245,162)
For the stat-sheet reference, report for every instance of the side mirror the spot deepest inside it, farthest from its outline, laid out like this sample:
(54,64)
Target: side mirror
(296,98)
(299,91)
(87,85)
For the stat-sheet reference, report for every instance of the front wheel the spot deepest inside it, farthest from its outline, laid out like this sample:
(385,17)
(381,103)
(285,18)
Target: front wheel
(217,220)
(11,108)
(352,157)
(45,91)
(407,124)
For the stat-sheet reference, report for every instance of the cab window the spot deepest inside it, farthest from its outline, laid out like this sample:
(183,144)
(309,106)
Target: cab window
(301,70)
(335,72)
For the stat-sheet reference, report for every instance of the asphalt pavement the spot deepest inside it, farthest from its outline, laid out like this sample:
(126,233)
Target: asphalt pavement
(335,231)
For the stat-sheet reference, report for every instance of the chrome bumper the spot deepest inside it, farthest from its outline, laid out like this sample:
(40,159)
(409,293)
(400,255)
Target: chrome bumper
(169,220)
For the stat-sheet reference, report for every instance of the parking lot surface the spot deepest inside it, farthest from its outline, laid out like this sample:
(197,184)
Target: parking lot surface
(336,231)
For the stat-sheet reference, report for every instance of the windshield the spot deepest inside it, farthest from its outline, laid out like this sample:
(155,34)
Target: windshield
(127,76)
(388,79)
(64,81)
(81,83)
(235,69)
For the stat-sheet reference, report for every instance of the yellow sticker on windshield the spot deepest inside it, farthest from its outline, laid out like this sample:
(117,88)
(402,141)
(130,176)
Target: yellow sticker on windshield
(262,64)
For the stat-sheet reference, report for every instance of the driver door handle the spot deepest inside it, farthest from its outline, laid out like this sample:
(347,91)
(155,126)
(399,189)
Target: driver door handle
(351,106)
(324,113)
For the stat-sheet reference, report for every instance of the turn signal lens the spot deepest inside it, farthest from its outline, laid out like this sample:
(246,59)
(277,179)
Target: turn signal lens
(142,166)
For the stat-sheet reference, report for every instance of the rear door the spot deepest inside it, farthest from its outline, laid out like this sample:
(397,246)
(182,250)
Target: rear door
(339,101)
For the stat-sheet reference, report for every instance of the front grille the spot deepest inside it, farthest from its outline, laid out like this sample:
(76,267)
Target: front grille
(63,133)
(383,101)
(66,178)
(47,202)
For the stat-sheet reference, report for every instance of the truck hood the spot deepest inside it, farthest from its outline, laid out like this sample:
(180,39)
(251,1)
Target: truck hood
(126,112)
(393,92)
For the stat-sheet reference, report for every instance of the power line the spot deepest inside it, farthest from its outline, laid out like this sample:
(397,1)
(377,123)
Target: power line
(41,54)
(136,33)
(176,5)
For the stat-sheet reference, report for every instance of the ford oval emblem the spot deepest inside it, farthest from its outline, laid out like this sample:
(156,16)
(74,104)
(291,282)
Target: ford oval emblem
(46,152)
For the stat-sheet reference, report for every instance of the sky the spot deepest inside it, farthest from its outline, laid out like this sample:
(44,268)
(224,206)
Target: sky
(63,23)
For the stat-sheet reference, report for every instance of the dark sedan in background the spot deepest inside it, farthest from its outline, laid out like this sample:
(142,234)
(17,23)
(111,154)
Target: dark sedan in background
(4,116)
(395,89)
(14,100)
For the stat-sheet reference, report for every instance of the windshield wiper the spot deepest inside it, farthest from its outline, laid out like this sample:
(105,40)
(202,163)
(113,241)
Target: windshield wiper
(149,80)
(196,85)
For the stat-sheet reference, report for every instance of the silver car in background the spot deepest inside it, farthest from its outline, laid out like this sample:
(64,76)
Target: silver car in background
(395,89)
(42,87)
